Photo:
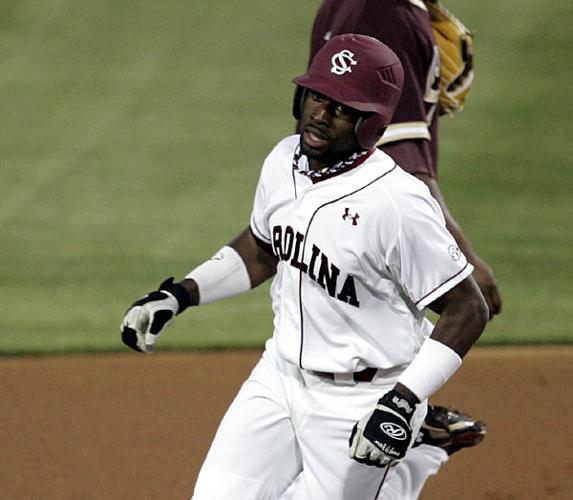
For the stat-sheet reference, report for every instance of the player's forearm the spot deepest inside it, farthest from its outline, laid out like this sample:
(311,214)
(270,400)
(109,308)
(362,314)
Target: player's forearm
(236,268)
(261,265)
(192,289)
(460,328)
(463,317)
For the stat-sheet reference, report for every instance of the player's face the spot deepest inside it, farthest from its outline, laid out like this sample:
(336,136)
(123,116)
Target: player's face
(327,130)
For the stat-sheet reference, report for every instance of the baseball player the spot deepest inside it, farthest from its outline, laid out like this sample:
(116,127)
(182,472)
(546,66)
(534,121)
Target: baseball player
(358,250)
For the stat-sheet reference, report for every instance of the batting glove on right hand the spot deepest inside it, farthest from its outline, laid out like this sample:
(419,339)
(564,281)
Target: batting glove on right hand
(383,436)
(146,319)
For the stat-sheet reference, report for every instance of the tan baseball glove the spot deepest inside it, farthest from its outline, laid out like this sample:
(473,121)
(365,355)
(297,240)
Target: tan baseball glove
(455,43)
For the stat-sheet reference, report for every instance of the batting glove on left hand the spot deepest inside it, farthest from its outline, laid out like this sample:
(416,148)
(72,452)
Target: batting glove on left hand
(146,319)
(383,436)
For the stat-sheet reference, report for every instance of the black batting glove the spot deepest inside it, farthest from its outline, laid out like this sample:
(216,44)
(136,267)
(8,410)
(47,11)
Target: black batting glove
(148,317)
(383,436)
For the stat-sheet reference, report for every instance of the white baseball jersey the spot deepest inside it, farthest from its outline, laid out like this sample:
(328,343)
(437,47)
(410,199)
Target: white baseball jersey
(361,255)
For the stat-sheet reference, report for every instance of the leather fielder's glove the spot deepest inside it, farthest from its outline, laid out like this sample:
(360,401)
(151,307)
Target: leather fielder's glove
(383,436)
(146,319)
(455,43)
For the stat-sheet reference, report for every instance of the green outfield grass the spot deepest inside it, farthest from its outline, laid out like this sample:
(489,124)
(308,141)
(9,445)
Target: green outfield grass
(134,132)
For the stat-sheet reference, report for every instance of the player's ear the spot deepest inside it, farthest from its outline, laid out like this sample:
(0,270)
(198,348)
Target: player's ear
(298,102)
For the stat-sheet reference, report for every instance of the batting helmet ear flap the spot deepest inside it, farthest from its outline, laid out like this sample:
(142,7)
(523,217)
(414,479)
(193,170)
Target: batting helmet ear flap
(298,101)
(368,130)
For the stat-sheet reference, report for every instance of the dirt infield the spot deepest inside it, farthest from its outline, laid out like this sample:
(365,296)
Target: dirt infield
(137,427)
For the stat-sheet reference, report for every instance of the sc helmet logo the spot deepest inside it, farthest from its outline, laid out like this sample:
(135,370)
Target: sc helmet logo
(393,430)
(342,62)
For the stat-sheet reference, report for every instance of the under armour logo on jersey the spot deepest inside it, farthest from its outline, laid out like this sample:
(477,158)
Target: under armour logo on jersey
(354,218)
(342,62)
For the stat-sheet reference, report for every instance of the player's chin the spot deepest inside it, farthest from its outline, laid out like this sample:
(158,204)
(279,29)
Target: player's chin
(314,151)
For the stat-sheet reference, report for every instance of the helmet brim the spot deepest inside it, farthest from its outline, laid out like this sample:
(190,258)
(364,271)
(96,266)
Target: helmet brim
(338,92)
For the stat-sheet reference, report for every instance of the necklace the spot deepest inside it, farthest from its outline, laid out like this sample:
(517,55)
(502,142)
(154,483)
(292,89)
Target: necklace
(300,165)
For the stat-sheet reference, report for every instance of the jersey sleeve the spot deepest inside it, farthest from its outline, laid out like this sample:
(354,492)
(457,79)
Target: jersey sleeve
(424,258)
(259,216)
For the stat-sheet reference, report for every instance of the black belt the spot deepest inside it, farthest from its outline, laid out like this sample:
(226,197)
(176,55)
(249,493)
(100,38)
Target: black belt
(365,375)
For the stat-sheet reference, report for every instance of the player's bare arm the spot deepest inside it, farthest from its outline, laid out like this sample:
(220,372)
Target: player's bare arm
(483,273)
(259,262)
(239,266)
(463,316)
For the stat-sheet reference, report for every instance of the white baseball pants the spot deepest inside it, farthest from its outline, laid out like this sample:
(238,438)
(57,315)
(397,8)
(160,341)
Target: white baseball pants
(286,436)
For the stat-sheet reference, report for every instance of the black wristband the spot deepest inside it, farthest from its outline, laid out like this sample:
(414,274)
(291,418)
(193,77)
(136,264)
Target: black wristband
(179,292)
(399,403)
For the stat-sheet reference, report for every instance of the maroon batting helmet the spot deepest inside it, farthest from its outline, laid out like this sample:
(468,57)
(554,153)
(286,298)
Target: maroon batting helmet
(360,72)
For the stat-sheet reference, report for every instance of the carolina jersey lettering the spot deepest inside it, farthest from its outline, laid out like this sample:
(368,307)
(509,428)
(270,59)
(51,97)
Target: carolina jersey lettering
(318,268)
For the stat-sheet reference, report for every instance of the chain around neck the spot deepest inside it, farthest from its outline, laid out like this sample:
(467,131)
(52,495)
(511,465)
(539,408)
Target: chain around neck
(300,164)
